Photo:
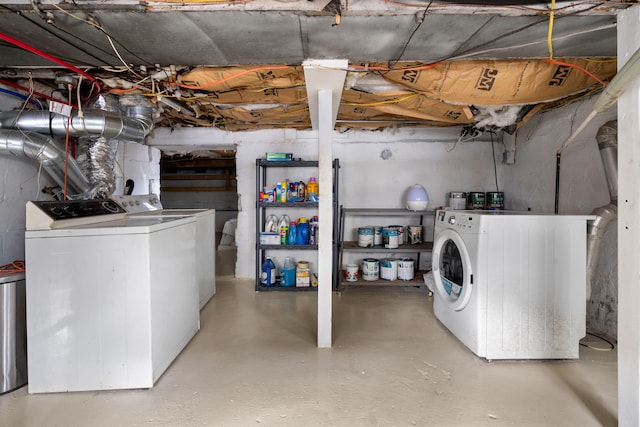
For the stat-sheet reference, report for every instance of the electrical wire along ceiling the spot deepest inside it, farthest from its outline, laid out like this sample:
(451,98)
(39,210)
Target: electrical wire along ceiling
(237,65)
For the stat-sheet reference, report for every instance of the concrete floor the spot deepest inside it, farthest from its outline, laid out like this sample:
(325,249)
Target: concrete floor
(255,362)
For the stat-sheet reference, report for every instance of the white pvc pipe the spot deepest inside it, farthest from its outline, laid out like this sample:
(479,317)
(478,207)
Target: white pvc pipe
(627,74)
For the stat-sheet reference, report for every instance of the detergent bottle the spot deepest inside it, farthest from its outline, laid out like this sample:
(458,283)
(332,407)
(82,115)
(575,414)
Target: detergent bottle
(271,224)
(302,232)
(293,233)
(268,273)
(312,188)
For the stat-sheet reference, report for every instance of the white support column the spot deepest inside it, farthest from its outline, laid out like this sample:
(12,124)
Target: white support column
(324,81)
(325,214)
(629,228)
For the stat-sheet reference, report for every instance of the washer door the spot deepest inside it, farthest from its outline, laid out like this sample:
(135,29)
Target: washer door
(452,270)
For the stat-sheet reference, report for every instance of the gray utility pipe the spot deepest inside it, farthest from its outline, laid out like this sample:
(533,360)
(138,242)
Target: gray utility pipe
(50,155)
(607,138)
(627,74)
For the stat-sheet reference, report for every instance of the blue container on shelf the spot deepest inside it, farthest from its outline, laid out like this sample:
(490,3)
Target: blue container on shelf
(268,274)
(302,232)
(293,233)
(288,273)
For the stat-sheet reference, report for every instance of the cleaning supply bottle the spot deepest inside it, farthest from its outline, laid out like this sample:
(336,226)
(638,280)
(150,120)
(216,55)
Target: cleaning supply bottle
(313,230)
(288,272)
(293,232)
(271,224)
(284,235)
(283,229)
(268,273)
(302,191)
(312,188)
(302,232)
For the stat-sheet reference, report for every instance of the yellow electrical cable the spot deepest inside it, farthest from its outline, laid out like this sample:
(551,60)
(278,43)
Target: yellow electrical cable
(600,60)
(550,31)
(240,74)
(388,101)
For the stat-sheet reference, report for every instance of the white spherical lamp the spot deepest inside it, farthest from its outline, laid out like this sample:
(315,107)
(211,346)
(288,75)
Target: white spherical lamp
(417,198)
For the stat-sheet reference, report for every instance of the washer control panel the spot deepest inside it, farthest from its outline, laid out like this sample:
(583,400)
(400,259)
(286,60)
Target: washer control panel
(63,213)
(58,210)
(458,220)
(139,203)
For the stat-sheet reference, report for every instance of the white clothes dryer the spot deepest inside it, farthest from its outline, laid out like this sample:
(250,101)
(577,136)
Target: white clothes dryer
(511,285)
(110,303)
(149,206)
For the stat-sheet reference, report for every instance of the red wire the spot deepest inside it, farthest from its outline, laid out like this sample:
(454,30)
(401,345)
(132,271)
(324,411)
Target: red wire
(567,64)
(50,58)
(16,266)
(66,157)
(25,89)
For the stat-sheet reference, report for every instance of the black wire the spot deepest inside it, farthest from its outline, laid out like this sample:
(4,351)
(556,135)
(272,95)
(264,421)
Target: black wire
(495,169)
(493,40)
(509,33)
(600,337)
(48,30)
(99,27)
(424,15)
(498,38)
(107,52)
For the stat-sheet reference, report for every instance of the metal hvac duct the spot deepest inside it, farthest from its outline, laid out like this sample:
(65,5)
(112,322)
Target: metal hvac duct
(92,122)
(50,155)
(96,154)
(607,137)
(33,133)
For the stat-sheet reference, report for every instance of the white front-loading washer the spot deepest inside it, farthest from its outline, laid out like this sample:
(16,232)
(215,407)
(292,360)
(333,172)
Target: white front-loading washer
(511,285)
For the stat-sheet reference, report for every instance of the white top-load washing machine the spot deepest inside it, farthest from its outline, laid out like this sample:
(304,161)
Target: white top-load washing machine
(149,205)
(511,285)
(111,302)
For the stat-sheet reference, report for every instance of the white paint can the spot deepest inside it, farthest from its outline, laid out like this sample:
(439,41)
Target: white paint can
(365,237)
(457,200)
(405,269)
(351,273)
(390,237)
(370,269)
(415,234)
(389,269)
(377,235)
(401,233)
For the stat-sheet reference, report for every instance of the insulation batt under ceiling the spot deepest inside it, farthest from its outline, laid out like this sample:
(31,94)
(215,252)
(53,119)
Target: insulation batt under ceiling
(478,93)
(440,94)
(482,66)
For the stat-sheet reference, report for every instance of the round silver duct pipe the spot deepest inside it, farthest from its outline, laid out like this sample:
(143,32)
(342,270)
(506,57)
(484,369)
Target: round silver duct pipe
(30,133)
(92,122)
(607,137)
(50,155)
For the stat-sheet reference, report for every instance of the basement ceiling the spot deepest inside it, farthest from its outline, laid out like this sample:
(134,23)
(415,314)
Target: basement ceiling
(237,65)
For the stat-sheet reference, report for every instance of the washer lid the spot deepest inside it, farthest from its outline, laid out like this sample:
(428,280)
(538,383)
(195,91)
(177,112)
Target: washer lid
(452,270)
(6,277)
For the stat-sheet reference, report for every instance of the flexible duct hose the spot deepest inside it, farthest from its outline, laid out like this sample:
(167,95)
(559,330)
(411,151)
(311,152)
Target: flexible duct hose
(95,127)
(50,155)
